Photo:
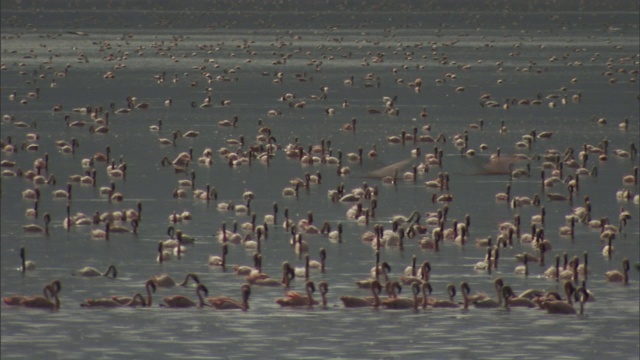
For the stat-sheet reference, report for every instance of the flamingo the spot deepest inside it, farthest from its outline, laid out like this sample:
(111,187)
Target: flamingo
(181,160)
(303,271)
(261,279)
(383,269)
(554,270)
(229,123)
(93,272)
(411,269)
(219,260)
(207,194)
(293,298)
(421,275)
(35,228)
(583,268)
(352,301)
(335,235)
(165,141)
(451,291)
(272,218)
(559,306)
(323,286)
(247,270)
(99,234)
(123,229)
(150,286)
(48,289)
(31,194)
(226,303)
(165,255)
(608,250)
(26,265)
(315,264)
(164,280)
(404,303)
(491,303)
(63,194)
(617,276)
(511,300)
(180,301)
(137,299)
(44,302)
(465,289)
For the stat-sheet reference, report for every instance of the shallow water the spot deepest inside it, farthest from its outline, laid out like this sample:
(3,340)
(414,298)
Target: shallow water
(346,42)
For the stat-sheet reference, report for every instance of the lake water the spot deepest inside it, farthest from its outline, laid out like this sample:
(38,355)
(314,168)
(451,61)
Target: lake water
(358,55)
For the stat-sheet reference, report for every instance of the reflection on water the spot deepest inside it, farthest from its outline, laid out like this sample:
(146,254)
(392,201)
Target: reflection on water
(161,55)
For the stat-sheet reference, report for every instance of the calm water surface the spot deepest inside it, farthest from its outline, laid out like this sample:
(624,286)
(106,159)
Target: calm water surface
(515,55)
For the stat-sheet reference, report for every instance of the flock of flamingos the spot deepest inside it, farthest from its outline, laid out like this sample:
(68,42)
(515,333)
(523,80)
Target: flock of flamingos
(561,175)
